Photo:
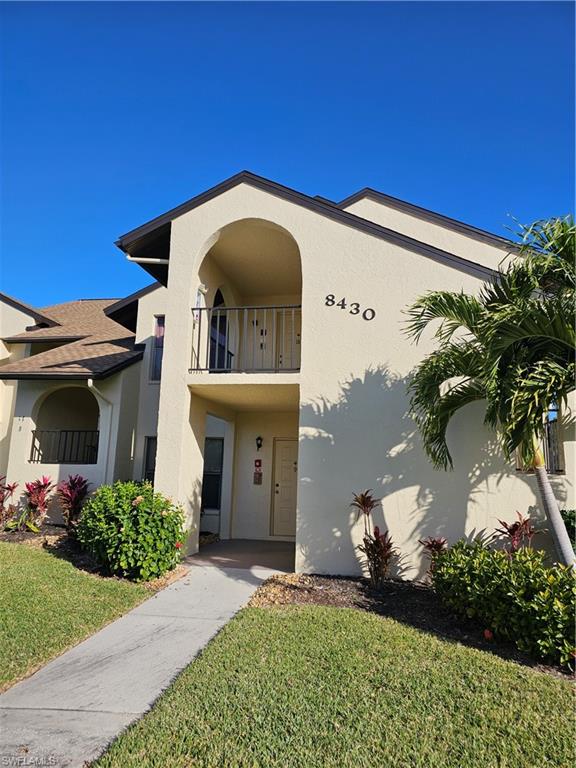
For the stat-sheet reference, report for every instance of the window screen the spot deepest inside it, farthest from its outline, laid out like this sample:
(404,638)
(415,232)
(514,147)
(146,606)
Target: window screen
(150,458)
(212,478)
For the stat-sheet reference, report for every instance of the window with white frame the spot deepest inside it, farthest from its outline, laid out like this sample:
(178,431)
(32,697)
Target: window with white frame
(157,349)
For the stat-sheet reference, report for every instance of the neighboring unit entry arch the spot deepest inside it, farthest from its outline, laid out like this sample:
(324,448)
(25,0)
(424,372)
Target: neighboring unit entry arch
(66,429)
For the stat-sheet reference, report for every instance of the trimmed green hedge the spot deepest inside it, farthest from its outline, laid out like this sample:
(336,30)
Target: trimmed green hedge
(569,517)
(516,596)
(132,531)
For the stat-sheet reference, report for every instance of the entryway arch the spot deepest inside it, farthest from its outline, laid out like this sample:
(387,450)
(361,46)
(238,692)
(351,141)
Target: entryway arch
(251,278)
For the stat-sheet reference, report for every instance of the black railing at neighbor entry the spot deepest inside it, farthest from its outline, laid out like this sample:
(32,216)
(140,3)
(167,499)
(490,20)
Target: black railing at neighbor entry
(552,447)
(247,339)
(64,446)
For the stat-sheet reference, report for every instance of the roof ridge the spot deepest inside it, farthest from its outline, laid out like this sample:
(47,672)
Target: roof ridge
(77,301)
(334,212)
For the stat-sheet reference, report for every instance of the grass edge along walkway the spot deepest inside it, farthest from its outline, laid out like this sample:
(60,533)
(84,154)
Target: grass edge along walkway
(315,687)
(47,606)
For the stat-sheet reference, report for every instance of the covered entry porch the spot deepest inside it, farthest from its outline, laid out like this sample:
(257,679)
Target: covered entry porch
(246,554)
(246,482)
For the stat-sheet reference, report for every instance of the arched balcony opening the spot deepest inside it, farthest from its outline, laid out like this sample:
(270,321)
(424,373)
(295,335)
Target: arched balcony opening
(67,428)
(252,283)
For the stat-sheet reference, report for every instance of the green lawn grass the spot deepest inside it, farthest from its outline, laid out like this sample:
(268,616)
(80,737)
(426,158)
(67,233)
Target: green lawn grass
(312,687)
(47,605)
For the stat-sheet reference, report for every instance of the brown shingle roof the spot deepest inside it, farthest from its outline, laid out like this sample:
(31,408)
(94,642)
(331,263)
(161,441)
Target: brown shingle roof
(75,319)
(93,345)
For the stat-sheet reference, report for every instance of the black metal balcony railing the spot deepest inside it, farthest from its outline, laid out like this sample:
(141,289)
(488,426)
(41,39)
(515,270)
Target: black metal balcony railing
(247,339)
(64,446)
(553,447)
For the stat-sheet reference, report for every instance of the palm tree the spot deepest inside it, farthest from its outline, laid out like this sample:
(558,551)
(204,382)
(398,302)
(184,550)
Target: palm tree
(511,346)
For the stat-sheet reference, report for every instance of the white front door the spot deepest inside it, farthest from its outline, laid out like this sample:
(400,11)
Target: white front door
(284,487)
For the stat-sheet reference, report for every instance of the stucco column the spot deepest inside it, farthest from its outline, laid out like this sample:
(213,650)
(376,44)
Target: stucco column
(181,417)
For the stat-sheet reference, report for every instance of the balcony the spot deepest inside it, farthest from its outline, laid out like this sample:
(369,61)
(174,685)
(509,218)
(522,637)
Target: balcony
(247,339)
(64,446)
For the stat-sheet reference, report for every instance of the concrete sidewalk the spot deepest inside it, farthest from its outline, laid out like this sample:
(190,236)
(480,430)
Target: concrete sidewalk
(69,711)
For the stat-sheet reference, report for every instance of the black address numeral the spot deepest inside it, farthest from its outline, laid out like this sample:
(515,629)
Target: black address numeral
(353,308)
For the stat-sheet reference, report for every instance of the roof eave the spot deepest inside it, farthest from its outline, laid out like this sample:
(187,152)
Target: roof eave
(425,213)
(318,206)
(28,310)
(127,300)
(124,241)
(41,339)
(36,376)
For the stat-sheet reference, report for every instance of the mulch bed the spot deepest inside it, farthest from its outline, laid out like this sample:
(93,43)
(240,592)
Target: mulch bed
(407,602)
(49,534)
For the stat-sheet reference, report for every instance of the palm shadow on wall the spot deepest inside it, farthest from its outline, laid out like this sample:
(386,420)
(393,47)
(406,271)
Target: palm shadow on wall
(366,439)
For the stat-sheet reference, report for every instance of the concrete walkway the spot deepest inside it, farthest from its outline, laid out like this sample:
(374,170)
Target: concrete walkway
(69,711)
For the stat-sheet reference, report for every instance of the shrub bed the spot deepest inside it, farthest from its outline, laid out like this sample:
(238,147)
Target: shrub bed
(132,531)
(515,595)
(569,517)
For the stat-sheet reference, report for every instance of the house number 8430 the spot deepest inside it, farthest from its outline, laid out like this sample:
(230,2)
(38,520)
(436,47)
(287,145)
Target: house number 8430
(353,308)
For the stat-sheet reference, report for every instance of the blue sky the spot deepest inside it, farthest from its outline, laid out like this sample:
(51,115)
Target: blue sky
(115,112)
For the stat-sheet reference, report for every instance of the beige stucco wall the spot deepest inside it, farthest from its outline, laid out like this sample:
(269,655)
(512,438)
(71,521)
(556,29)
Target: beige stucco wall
(428,232)
(8,390)
(69,408)
(354,432)
(124,466)
(12,321)
(149,306)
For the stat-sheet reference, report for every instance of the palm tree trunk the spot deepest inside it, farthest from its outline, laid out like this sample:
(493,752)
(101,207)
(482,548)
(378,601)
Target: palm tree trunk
(558,530)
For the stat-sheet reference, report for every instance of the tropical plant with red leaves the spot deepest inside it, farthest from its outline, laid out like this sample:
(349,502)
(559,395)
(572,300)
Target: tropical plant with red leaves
(519,534)
(377,547)
(71,494)
(379,550)
(433,545)
(365,504)
(7,509)
(37,496)
(36,507)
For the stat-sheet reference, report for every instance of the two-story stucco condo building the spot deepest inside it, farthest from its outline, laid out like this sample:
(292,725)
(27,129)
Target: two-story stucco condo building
(261,379)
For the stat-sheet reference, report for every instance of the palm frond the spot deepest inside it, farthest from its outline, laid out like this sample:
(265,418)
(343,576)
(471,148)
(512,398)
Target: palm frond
(556,236)
(443,383)
(542,323)
(534,391)
(433,422)
(516,350)
(454,311)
